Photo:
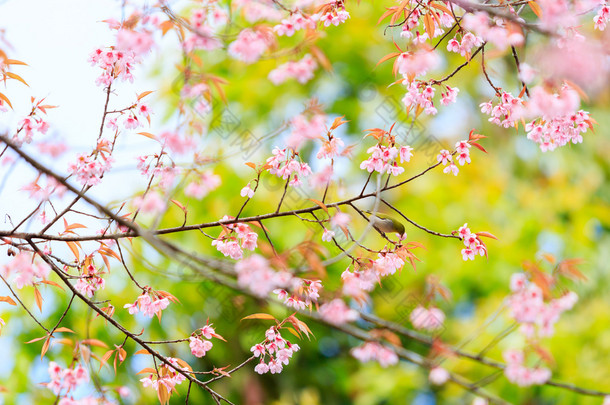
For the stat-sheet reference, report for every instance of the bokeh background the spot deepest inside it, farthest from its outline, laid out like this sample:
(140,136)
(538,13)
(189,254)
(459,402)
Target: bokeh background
(534,202)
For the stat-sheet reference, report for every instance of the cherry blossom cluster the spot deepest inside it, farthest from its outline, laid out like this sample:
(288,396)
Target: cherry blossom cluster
(497,31)
(115,64)
(28,272)
(417,63)
(301,70)
(28,126)
(278,350)
(374,351)
(560,120)
(52,147)
(138,42)
(155,166)
(334,17)
(293,23)
(465,45)
(178,144)
(167,377)
(206,182)
(330,147)
(258,10)
(528,307)
(234,238)
(44,192)
(133,117)
(89,169)
(250,45)
(474,244)
(64,380)
(283,164)
(150,303)
(304,128)
(134,35)
(150,203)
(304,293)
(255,274)
(201,343)
(90,281)
(203,39)
(339,220)
(336,312)
(204,20)
(438,19)
(359,282)
(505,113)
(420,94)
(517,373)
(199,95)
(562,16)
(387,263)
(462,156)
(602,17)
(427,319)
(383,159)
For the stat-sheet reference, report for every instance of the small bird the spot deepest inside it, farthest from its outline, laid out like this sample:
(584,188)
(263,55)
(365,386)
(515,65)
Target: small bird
(386,224)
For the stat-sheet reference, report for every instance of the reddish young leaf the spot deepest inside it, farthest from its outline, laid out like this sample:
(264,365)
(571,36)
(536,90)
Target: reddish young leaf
(8,300)
(478,146)
(38,298)
(53,283)
(63,329)
(259,316)
(94,342)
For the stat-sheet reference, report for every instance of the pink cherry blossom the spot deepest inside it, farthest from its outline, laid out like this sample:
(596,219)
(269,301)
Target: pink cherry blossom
(517,373)
(373,351)
(284,164)
(89,169)
(90,281)
(203,185)
(340,219)
(199,347)
(133,41)
(177,143)
(499,34)
(427,319)
(337,312)
(304,129)
(328,235)
(357,283)
(438,376)
(249,46)
(294,23)
(255,274)
(53,149)
(247,191)
(334,17)
(27,271)
(419,95)
(387,263)
(204,39)
(149,306)
(450,96)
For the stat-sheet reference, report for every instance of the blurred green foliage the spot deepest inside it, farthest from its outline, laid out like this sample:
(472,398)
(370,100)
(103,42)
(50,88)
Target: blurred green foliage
(533,202)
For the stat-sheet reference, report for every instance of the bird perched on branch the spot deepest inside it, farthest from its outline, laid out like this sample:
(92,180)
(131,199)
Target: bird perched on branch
(385,223)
